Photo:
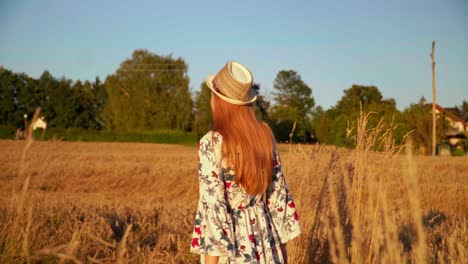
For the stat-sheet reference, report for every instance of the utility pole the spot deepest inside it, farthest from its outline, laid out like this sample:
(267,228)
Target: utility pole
(433,102)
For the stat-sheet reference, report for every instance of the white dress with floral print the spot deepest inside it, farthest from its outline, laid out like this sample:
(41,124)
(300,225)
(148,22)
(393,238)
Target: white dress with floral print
(234,225)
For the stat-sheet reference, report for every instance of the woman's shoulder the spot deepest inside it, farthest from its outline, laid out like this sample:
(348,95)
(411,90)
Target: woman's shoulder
(210,145)
(211,138)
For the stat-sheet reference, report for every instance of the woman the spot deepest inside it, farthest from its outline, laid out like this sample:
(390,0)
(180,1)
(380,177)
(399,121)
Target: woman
(245,212)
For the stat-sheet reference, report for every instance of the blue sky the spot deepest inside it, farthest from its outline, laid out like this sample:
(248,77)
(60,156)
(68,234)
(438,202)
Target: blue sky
(331,44)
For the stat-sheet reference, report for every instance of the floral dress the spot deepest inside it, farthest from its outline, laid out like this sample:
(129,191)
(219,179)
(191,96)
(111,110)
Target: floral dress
(234,225)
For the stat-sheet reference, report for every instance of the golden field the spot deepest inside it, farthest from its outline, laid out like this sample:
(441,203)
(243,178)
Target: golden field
(76,202)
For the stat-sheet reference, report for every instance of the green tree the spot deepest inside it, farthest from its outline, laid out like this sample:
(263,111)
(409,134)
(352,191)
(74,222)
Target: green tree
(359,95)
(83,104)
(47,86)
(62,104)
(323,124)
(99,99)
(335,126)
(418,122)
(148,91)
(293,103)
(7,98)
(18,96)
(463,108)
(203,117)
(27,97)
(262,105)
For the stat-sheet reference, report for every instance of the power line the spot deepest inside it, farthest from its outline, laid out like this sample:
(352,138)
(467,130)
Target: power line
(163,64)
(156,70)
(154,67)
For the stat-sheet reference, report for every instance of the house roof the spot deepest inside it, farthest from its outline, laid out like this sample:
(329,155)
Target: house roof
(452,112)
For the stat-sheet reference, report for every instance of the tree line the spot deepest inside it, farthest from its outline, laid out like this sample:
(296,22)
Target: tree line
(151,92)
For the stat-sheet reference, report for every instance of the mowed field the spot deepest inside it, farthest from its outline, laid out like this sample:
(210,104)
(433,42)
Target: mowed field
(76,202)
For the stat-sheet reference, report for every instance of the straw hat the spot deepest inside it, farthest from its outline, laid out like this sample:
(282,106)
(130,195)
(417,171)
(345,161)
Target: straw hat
(233,84)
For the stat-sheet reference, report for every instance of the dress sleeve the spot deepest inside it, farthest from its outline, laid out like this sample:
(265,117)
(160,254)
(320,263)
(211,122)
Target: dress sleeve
(213,231)
(281,205)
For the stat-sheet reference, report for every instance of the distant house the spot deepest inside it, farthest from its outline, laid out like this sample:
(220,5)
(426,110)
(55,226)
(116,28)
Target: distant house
(40,123)
(455,126)
(454,119)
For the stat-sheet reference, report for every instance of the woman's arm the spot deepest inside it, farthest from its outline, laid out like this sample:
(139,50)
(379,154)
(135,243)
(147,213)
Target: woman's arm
(211,259)
(213,229)
(281,205)
(285,253)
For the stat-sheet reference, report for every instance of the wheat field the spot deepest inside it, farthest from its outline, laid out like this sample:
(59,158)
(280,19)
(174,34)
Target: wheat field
(77,202)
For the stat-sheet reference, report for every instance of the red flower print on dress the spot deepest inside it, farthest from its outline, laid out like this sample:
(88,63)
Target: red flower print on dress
(257,256)
(228,184)
(291,204)
(240,207)
(195,242)
(198,230)
(252,221)
(280,209)
(224,232)
(251,238)
(276,162)
(296,217)
(242,248)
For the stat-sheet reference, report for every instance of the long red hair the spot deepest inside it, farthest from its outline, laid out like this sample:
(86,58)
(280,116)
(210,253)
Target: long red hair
(247,144)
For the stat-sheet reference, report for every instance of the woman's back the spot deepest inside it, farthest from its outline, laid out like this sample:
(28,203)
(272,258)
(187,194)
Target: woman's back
(229,222)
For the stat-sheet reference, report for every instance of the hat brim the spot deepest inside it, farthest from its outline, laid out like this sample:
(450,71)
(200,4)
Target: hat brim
(209,83)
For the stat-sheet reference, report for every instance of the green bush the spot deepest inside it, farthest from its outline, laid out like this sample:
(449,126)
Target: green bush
(156,136)
(7,132)
(458,152)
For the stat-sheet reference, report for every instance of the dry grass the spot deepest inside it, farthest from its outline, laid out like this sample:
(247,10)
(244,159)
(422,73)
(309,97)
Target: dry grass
(67,202)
